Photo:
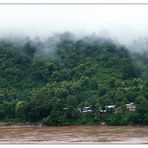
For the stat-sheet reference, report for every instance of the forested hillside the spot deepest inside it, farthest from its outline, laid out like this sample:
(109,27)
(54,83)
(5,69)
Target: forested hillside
(48,81)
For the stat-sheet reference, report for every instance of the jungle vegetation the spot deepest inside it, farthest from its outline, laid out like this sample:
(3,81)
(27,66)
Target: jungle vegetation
(38,79)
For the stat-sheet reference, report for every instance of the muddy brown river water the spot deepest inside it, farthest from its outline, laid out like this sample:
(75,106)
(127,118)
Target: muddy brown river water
(74,135)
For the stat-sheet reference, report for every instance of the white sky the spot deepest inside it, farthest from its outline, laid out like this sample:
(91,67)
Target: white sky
(125,22)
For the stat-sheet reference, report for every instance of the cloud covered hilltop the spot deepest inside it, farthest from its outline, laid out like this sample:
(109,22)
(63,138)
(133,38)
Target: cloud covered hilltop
(74,64)
(122,22)
(52,80)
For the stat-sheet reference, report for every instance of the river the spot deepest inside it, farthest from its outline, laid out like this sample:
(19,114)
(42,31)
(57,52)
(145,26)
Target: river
(74,135)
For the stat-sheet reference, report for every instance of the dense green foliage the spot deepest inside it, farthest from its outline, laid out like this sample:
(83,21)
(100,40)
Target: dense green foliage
(44,81)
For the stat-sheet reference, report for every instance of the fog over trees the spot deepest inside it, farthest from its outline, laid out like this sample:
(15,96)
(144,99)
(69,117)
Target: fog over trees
(51,80)
(71,65)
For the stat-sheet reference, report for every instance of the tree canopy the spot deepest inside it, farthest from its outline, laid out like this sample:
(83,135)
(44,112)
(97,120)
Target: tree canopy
(38,79)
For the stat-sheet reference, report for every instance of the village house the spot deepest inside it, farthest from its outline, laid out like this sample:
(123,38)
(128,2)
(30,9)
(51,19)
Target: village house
(108,108)
(131,107)
(85,109)
(102,110)
(111,107)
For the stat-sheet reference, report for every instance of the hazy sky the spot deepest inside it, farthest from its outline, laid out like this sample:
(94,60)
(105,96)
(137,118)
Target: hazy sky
(125,22)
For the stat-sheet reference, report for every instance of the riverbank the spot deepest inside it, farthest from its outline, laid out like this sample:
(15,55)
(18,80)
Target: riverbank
(15,123)
(29,124)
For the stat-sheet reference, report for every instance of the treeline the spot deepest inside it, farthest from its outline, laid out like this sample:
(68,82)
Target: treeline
(39,79)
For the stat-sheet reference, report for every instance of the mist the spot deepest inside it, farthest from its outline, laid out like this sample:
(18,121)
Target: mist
(124,24)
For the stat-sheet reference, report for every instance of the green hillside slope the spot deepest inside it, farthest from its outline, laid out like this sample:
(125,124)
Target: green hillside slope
(44,83)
